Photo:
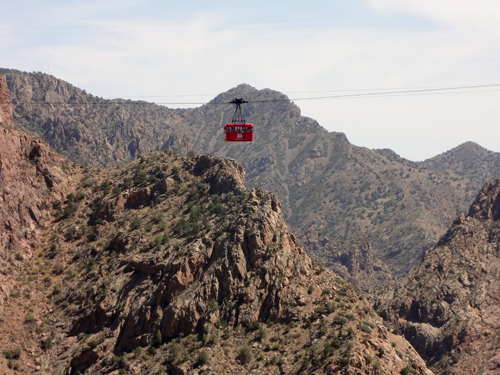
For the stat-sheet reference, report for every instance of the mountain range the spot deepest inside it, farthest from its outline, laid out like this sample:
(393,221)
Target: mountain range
(368,214)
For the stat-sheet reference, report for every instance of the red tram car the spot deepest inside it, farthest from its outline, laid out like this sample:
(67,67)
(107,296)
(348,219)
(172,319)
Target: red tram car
(238,130)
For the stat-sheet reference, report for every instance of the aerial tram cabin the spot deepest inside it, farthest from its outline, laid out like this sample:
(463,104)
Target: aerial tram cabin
(238,130)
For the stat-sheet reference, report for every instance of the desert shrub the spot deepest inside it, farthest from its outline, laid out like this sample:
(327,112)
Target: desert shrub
(381,352)
(30,318)
(165,238)
(77,255)
(136,223)
(364,328)
(407,370)
(152,350)
(52,251)
(157,217)
(253,326)
(127,182)
(202,358)
(244,354)
(330,307)
(157,339)
(336,343)
(70,233)
(173,352)
(140,177)
(305,363)
(105,186)
(340,320)
(187,228)
(47,344)
(94,343)
(91,263)
(261,333)
(221,323)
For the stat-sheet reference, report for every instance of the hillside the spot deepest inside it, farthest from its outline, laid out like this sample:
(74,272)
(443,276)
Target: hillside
(367,214)
(470,160)
(169,264)
(448,306)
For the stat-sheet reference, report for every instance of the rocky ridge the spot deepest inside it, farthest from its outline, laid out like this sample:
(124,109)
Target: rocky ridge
(448,306)
(169,264)
(333,194)
(32,178)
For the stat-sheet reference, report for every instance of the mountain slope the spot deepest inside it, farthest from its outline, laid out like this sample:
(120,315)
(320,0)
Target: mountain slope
(169,264)
(468,159)
(339,198)
(448,306)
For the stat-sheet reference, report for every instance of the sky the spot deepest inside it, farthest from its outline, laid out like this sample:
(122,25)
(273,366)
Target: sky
(333,58)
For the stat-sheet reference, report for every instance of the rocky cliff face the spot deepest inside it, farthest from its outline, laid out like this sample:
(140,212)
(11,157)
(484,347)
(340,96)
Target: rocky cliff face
(33,178)
(168,264)
(448,307)
(5,107)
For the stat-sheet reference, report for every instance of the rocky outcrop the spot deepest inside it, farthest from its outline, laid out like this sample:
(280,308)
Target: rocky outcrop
(32,177)
(486,206)
(5,105)
(198,274)
(448,307)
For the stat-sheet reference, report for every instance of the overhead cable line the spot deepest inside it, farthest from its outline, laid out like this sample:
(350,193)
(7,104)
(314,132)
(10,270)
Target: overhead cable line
(440,90)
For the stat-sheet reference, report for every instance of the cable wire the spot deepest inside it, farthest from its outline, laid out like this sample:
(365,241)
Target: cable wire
(441,90)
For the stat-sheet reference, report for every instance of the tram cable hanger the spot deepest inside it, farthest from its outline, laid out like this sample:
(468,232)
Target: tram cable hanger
(238,130)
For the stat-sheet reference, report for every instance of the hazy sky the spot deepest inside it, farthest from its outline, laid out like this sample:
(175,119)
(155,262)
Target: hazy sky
(190,51)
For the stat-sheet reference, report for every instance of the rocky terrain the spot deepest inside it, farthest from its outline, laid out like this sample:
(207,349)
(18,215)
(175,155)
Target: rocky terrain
(6,107)
(367,214)
(168,264)
(448,307)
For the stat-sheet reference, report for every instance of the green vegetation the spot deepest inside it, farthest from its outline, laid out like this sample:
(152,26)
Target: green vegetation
(47,343)
(244,354)
(202,358)
(136,223)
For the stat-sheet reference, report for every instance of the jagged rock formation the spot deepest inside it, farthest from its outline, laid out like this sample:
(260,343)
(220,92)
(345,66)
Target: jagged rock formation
(5,107)
(170,264)
(32,176)
(332,193)
(448,307)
